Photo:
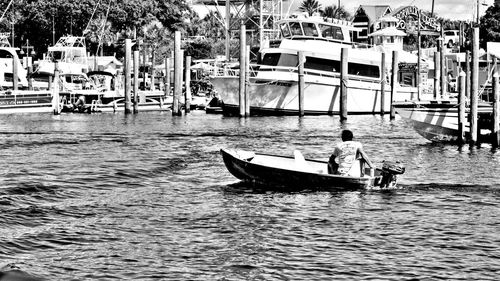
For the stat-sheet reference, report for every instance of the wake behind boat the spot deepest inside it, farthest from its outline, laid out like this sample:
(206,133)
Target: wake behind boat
(299,173)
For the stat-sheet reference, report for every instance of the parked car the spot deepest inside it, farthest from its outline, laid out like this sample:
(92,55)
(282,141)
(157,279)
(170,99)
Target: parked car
(451,37)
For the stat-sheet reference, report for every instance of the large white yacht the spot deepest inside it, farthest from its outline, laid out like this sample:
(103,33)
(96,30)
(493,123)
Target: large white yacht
(273,87)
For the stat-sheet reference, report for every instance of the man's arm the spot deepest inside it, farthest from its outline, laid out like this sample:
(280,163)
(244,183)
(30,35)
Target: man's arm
(332,165)
(365,157)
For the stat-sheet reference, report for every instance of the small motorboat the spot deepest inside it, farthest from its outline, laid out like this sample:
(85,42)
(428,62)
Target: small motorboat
(299,173)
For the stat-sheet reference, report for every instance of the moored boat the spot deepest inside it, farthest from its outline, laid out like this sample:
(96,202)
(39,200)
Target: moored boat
(273,83)
(299,173)
(437,120)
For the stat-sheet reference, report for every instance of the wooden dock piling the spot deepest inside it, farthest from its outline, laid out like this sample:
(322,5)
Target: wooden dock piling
(56,108)
(475,85)
(495,130)
(30,80)
(243,52)
(467,78)
(187,82)
(177,73)
(343,83)
(136,81)
(442,60)
(15,74)
(144,64)
(382,84)
(394,80)
(247,82)
(301,84)
(437,74)
(127,69)
(461,107)
(167,76)
(153,58)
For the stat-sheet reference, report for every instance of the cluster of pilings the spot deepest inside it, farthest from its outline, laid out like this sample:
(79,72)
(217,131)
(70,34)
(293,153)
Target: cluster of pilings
(468,89)
(131,95)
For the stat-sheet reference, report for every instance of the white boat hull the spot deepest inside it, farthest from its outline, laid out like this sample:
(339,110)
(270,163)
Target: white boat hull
(272,97)
(438,121)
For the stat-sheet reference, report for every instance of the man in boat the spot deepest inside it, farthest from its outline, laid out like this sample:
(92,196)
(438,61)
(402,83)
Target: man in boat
(345,155)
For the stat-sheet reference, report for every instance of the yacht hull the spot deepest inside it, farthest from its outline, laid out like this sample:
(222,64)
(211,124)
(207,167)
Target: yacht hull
(271,97)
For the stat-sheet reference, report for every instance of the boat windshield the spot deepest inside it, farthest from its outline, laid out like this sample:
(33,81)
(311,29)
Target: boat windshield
(309,29)
(277,59)
(331,32)
(57,55)
(296,29)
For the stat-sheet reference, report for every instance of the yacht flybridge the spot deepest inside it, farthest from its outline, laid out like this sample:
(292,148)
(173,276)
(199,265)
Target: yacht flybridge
(71,54)
(273,88)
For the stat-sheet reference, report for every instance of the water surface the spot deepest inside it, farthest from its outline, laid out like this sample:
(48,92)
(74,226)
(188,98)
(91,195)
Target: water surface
(146,197)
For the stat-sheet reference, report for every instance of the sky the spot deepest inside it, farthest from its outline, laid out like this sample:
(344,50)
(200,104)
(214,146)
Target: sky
(452,9)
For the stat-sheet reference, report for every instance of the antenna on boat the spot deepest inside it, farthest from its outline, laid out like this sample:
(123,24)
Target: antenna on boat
(103,27)
(91,17)
(6,9)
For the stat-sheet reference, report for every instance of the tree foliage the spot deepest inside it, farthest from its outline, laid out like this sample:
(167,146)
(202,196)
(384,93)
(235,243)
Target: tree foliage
(334,12)
(489,26)
(37,19)
(310,7)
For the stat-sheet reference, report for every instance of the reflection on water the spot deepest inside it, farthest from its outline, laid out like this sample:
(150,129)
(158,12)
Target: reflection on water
(147,197)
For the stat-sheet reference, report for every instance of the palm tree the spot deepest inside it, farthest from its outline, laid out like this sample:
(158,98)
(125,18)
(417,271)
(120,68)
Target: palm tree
(310,6)
(335,12)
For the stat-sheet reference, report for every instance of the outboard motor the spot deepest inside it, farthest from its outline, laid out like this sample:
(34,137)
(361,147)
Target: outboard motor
(390,170)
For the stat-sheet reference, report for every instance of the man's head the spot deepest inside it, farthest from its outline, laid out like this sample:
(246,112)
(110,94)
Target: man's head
(347,135)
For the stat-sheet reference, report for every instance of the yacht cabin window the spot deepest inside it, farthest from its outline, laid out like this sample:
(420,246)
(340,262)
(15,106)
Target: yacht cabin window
(296,29)
(322,64)
(331,32)
(5,54)
(280,59)
(357,69)
(309,29)
(285,31)
(57,55)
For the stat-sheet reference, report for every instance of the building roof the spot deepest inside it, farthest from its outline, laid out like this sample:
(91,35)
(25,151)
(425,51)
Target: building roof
(374,12)
(388,31)
(388,18)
